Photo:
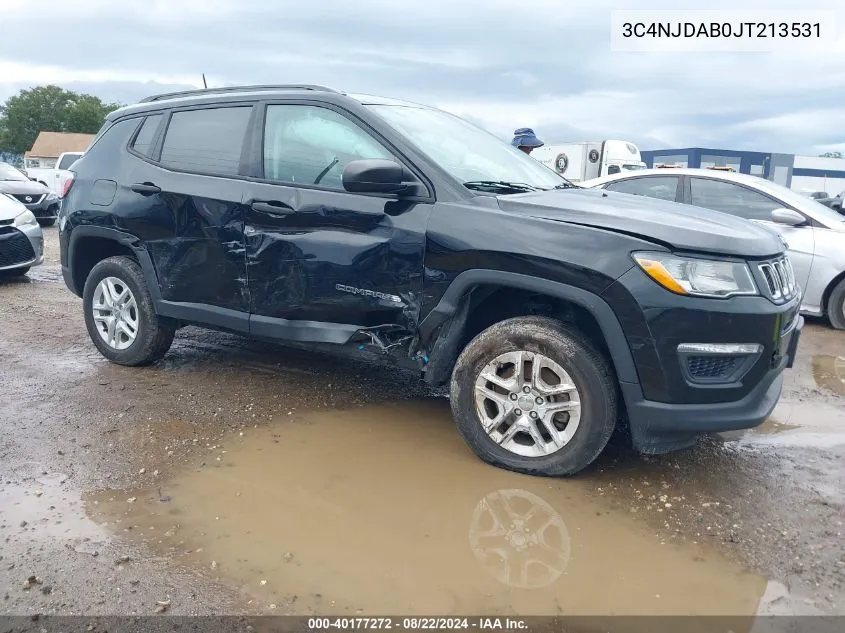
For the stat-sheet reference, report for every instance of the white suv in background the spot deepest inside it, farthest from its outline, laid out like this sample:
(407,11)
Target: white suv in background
(815,234)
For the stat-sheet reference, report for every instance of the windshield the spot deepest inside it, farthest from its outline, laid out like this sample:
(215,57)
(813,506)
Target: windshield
(476,157)
(7,172)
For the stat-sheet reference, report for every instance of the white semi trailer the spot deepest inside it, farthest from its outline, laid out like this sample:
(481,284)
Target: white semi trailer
(590,159)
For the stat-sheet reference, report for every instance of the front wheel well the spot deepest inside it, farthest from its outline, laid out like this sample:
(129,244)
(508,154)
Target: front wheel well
(89,251)
(829,290)
(486,305)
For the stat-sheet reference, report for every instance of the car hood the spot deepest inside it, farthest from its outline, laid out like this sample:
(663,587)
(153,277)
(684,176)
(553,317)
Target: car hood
(682,226)
(23,187)
(10,208)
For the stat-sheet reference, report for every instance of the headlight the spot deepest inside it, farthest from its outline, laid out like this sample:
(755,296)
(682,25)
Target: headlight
(25,219)
(697,277)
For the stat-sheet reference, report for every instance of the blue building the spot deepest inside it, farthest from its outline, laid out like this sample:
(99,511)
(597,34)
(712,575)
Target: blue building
(801,173)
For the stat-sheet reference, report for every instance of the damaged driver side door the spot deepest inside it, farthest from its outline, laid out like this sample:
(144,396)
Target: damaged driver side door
(322,262)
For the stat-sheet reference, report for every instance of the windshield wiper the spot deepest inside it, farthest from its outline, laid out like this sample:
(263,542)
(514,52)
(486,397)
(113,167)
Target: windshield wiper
(567,185)
(502,184)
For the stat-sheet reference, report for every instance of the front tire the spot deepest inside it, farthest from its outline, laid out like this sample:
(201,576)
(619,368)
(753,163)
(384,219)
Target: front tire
(836,306)
(532,395)
(46,221)
(120,316)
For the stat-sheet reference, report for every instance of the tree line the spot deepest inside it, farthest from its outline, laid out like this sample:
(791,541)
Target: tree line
(49,109)
(54,109)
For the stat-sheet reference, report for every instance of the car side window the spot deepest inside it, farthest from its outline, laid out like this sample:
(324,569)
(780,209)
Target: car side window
(144,139)
(662,187)
(728,197)
(68,160)
(207,141)
(311,145)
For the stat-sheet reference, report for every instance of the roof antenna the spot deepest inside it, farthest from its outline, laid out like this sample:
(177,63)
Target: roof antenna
(204,85)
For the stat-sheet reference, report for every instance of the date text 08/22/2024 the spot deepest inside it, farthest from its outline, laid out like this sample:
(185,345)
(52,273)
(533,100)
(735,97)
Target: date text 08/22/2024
(416,623)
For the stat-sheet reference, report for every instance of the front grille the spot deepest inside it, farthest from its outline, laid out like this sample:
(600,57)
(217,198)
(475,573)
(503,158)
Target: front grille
(779,278)
(711,366)
(15,247)
(34,198)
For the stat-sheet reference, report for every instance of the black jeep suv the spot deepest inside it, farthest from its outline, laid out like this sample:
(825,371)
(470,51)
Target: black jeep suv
(554,314)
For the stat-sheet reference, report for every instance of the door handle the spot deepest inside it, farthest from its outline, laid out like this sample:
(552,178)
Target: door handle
(271,208)
(145,188)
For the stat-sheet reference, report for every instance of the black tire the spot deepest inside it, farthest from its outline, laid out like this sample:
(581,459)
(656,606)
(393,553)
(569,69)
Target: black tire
(155,334)
(46,221)
(14,273)
(590,370)
(836,306)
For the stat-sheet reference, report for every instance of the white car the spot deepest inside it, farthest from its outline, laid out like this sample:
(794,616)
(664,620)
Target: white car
(21,239)
(815,234)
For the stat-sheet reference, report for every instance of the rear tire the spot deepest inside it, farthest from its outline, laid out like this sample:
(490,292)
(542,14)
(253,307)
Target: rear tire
(549,444)
(836,306)
(122,322)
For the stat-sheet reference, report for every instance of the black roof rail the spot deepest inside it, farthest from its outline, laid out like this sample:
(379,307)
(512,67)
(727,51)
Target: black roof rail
(205,91)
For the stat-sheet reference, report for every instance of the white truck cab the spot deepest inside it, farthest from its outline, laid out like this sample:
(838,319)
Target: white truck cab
(53,177)
(590,159)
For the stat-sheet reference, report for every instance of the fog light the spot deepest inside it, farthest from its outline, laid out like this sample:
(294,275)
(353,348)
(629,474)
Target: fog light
(712,364)
(720,348)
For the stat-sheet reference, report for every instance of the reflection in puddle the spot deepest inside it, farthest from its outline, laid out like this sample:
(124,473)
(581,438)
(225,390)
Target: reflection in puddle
(519,539)
(383,509)
(829,373)
(803,423)
(44,508)
(46,272)
(771,426)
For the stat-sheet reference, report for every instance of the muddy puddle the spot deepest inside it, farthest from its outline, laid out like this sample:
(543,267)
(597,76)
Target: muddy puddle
(829,373)
(383,509)
(815,423)
(41,506)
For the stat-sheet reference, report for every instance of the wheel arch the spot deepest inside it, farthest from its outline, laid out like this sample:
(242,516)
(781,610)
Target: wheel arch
(89,245)
(830,288)
(444,330)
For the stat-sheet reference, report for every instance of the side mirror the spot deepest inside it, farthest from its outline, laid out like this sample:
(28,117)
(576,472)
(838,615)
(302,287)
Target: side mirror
(375,176)
(788,217)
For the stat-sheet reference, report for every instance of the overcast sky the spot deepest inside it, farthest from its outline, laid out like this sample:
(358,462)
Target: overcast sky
(547,64)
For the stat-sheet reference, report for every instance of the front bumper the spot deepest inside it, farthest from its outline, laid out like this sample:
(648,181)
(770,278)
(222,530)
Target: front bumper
(21,247)
(659,427)
(45,208)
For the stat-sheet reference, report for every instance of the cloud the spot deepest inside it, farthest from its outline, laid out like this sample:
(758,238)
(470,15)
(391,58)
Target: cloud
(541,63)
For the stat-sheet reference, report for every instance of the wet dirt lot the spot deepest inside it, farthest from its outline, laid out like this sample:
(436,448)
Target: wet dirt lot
(237,477)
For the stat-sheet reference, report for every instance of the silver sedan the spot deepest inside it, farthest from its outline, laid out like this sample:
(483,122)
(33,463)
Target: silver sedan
(21,239)
(815,234)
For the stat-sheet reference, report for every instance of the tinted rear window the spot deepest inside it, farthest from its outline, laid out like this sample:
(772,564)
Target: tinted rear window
(144,140)
(206,141)
(68,160)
